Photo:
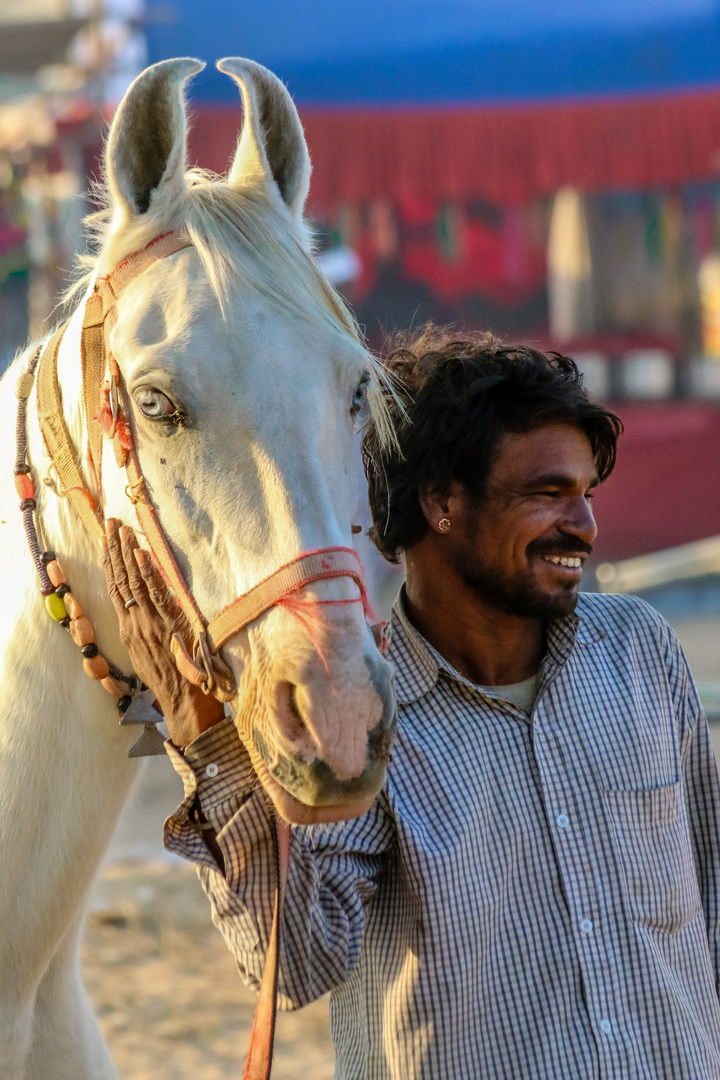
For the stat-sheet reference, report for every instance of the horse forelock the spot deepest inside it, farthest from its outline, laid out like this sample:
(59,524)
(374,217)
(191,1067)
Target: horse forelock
(241,239)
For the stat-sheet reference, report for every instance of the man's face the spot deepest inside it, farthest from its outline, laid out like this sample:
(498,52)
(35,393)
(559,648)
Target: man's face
(522,548)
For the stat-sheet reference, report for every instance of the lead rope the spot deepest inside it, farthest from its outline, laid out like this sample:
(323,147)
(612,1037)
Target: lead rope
(258,1063)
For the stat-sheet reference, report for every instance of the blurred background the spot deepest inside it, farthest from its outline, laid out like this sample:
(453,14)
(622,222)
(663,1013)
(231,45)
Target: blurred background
(550,172)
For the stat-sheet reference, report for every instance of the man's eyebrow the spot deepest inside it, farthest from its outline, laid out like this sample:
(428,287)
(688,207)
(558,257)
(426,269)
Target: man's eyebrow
(559,480)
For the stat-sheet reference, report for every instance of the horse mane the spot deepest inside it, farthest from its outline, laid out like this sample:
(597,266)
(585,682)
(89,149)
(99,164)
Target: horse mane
(241,236)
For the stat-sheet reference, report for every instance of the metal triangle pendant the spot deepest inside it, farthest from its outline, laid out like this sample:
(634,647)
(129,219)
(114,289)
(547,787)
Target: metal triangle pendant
(140,711)
(150,743)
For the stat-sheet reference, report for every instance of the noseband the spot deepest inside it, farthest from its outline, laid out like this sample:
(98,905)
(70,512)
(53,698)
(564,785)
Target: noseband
(105,418)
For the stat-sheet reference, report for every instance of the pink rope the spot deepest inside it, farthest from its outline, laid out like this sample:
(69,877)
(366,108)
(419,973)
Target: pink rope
(290,606)
(292,603)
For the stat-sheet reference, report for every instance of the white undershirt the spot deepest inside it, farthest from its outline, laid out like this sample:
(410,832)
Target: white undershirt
(522,694)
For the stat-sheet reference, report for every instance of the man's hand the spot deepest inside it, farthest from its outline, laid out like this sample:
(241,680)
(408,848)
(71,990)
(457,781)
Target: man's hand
(146,628)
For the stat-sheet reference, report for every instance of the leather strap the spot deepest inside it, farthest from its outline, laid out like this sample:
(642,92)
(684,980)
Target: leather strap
(57,440)
(110,287)
(258,1062)
(315,566)
(155,535)
(92,352)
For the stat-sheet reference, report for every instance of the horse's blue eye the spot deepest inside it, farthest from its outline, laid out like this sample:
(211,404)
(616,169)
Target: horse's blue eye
(360,398)
(154,404)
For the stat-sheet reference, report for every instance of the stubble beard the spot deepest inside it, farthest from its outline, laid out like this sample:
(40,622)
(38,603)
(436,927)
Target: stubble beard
(519,596)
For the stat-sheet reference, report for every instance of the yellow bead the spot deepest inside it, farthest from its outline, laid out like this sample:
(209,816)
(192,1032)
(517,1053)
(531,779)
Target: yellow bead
(55,607)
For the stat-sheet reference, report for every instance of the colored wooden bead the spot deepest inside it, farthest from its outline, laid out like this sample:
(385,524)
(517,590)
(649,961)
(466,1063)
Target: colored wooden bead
(62,591)
(28,504)
(55,573)
(20,469)
(24,486)
(56,607)
(97,668)
(65,623)
(47,557)
(113,688)
(74,609)
(47,590)
(24,385)
(90,650)
(82,632)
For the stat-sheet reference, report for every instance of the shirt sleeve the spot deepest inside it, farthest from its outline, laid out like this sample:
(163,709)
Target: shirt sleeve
(333,873)
(701,785)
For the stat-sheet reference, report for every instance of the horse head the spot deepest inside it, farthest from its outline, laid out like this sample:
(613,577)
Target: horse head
(242,376)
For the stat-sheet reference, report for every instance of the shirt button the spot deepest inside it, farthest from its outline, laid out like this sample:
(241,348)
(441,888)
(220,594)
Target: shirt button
(586,926)
(562,821)
(605,1027)
(211,770)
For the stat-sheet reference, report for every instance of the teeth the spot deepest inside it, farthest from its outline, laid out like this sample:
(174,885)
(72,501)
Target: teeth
(564,560)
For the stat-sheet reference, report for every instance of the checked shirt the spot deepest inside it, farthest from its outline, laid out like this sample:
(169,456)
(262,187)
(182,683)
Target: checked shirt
(530,898)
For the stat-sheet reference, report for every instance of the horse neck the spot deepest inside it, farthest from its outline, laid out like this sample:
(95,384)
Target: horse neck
(64,769)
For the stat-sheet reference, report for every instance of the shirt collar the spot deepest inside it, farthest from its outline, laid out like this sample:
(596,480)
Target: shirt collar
(417,664)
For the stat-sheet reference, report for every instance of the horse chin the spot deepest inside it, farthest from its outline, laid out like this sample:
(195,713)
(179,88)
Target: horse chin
(295,812)
(309,791)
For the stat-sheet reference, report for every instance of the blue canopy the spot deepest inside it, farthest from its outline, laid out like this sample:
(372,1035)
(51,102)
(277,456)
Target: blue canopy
(397,52)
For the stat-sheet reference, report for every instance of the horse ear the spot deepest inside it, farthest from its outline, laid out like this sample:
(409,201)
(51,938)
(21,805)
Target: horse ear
(271,153)
(146,150)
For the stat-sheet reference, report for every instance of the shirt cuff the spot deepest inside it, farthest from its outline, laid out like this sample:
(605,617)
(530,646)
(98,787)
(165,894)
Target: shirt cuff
(216,770)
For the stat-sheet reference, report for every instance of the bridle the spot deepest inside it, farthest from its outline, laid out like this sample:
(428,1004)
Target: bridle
(105,418)
(202,665)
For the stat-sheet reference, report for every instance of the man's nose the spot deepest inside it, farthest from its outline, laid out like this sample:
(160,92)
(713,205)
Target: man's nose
(579,521)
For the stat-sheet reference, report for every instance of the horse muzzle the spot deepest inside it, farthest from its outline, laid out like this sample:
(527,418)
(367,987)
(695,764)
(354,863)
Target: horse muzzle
(324,760)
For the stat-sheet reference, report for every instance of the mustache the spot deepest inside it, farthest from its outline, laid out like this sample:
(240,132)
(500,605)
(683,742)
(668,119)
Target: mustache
(563,545)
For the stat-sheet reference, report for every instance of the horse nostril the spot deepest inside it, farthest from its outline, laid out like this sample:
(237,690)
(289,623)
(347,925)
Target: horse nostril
(293,704)
(293,725)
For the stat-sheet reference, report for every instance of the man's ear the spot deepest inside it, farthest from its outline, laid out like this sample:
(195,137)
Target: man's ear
(450,504)
(434,505)
(145,155)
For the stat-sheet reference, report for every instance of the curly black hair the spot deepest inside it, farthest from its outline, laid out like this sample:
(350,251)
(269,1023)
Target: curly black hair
(451,400)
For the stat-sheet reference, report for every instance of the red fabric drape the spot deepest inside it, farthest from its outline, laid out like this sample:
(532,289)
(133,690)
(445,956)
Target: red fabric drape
(505,154)
(665,489)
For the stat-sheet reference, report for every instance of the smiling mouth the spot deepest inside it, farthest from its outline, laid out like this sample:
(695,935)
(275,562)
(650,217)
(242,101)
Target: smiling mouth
(571,562)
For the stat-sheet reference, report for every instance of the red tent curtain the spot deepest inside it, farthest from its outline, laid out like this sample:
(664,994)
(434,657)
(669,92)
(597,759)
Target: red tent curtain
(506,154)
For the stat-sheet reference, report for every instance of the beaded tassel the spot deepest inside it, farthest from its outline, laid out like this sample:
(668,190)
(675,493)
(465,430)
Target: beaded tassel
(59,600)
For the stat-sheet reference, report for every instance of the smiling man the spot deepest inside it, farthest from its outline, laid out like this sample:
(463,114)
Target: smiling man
(534,895)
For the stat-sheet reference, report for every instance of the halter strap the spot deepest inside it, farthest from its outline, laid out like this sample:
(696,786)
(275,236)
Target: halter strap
(313,566)
(104,416)
(57,440)
(95,357)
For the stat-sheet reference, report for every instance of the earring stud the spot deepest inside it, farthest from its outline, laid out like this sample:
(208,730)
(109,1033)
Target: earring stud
(444,525)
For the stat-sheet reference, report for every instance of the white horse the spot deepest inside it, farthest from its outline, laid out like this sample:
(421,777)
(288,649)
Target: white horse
(241,339)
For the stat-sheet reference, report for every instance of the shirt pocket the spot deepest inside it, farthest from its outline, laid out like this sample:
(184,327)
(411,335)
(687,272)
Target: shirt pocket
(653,844)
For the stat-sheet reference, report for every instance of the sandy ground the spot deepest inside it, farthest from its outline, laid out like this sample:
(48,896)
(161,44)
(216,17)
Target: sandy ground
(168,997)
(167,994)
